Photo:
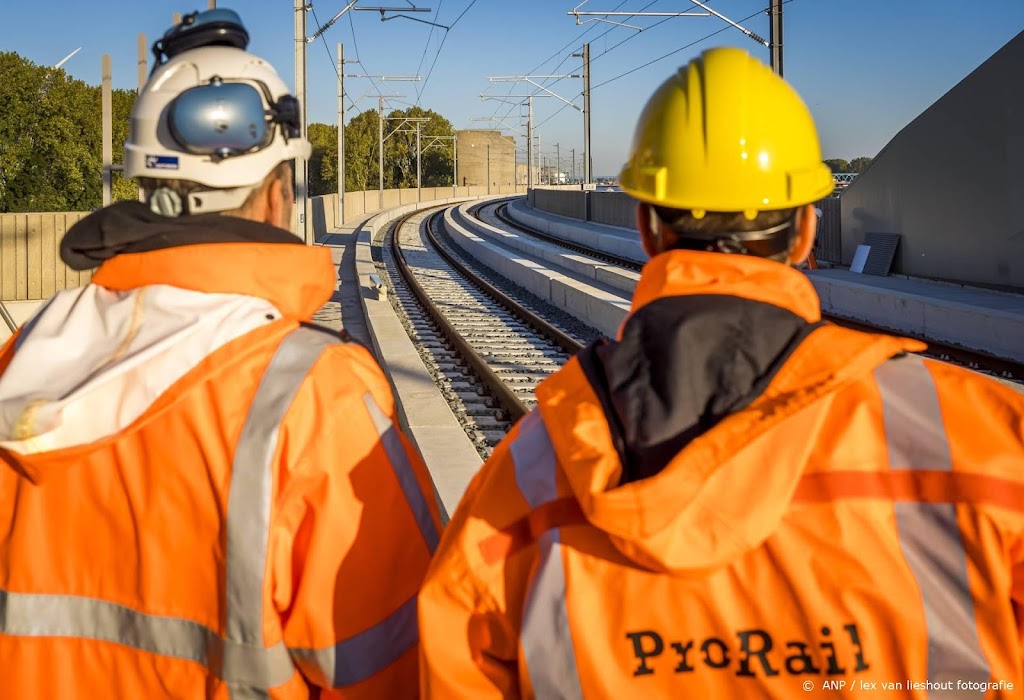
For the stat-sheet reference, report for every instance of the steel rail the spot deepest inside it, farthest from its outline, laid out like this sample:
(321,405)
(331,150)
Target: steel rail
(553,333)
(502,393)
(7,318)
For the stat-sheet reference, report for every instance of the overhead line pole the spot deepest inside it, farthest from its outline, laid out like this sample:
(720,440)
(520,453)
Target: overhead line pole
(301,192)
(418,121)
(107,128)
(529,146)
(301,166)
(341,133)
(587,158)
(775,35)
(380,153)
(545,92)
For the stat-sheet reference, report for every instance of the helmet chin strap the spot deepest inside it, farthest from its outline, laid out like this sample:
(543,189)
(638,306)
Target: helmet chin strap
(762,243)
(167,202)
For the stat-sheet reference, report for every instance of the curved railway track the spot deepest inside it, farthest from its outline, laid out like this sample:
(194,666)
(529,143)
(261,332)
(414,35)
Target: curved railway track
(486,351)
(945,351)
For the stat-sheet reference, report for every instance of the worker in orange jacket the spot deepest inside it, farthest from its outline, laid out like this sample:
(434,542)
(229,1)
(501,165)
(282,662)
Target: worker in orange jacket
(733,499)
(203,495)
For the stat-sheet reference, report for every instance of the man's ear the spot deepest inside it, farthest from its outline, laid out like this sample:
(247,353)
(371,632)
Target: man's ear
(643,226)
(803,241)
(278,209)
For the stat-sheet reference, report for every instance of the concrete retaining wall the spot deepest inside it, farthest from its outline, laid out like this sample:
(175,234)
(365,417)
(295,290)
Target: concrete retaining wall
(619,209)
(31,268)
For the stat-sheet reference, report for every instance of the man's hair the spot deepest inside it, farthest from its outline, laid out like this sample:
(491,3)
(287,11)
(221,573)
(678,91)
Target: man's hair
(182,188)
(699,234)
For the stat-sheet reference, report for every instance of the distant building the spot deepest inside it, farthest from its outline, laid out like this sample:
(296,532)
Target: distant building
(484,154)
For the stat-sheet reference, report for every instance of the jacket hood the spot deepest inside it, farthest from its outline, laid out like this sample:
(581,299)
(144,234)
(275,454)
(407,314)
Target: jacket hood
(132,227)
(94,359)
(684,445)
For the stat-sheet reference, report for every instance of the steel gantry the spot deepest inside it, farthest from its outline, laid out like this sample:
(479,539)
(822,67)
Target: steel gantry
(774,11)
(301,41)
(418,121)
(544,92)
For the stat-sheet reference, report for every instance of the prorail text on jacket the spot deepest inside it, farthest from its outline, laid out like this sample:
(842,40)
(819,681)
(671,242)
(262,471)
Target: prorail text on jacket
(755,652)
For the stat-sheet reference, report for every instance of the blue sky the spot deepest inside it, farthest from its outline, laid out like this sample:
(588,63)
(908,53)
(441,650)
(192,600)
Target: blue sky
(865,67)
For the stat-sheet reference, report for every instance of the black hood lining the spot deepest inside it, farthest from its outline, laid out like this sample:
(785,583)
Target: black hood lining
(132,227)
(683,364)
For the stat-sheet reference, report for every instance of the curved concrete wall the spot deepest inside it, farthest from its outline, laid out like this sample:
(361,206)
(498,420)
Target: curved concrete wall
(952,183)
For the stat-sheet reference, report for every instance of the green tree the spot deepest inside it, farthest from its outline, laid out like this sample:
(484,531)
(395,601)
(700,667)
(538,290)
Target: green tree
(362,143)
(361,152)
(323,163)
(859,165)
(400,150)
(838,165)
(50,139)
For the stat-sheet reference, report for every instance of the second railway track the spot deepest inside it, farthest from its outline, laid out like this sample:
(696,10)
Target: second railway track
(486,352)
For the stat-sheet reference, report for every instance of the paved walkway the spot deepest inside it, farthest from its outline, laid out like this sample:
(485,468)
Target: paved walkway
(344,309)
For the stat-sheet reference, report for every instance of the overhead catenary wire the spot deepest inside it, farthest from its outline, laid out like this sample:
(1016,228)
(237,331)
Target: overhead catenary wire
(438,54)
(681,48)
(426,45)
(548,84)
(328,50)
(555,55)
(653,61)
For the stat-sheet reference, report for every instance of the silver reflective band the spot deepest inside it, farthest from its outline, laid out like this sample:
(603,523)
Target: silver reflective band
(546,634)
(929,533)
(252,477)
(913,420)
(357,658)
(44,615)
(241,660)
(403,471)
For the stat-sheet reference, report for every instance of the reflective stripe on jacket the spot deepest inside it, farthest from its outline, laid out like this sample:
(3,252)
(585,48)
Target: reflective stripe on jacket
(855,527)
(260,527)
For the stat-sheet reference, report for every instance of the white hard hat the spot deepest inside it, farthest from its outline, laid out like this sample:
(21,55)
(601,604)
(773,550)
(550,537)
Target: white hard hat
(218,116)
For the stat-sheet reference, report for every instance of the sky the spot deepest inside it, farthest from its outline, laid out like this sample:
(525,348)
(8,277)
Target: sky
(865,68)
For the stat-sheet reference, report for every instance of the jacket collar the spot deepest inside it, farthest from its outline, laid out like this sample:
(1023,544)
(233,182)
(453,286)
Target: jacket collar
(687,272)
(297,279)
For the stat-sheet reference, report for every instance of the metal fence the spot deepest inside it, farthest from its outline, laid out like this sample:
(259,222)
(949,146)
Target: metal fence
(30,264)
(619,209)
(828,245)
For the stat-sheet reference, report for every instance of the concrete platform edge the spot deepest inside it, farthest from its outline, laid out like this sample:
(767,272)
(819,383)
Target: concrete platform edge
(600,308)
(992,331)
(422,411)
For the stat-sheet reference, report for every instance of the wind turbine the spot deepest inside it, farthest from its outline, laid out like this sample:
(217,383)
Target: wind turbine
(62,61)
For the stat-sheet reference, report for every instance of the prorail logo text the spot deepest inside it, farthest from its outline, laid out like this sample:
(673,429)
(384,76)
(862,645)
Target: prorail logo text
(755,652)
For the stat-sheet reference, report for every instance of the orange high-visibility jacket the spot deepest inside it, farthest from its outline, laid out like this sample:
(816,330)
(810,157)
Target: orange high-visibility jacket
(200,497)
(733,501)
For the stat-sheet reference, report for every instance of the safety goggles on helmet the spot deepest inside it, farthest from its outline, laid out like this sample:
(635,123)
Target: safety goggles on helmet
(223,119)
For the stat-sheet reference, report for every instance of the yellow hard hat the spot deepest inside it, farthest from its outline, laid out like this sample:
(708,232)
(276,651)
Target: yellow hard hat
(725,133)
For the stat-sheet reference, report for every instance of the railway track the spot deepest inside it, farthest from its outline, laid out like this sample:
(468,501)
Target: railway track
(948,352)
(501,212)
(486,351)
